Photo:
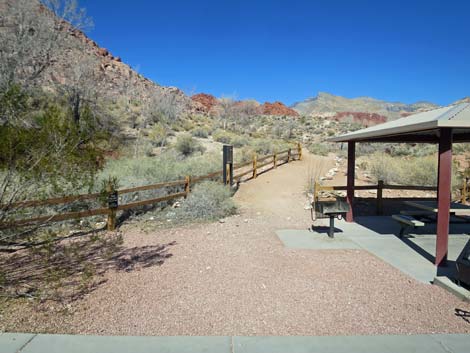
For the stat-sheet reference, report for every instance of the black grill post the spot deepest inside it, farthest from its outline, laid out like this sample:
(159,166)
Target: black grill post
(228,164)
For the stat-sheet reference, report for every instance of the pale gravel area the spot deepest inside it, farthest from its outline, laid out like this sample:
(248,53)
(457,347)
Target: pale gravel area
(236,278)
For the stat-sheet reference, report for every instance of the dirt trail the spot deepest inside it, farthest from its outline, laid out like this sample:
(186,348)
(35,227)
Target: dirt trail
(282,192)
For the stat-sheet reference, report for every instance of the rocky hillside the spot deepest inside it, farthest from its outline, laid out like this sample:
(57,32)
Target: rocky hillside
(207,103)
(78,62)
(325,104)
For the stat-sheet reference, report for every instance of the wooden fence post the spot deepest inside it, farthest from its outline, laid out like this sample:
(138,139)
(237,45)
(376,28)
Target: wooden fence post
(380,187)
(229,175)
(255,174)
(187,185)
(288,155)
(275,160)
(113,203)
(316,190)
(299,150)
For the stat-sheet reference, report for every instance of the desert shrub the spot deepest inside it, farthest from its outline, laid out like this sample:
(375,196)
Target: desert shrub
(239,141)
(158,135)
(167,166)
(410,170)
(244,154)
(263,146)
(202,132)
(187,145)
(223,137)
(386,168)
(319,149)
(207,201)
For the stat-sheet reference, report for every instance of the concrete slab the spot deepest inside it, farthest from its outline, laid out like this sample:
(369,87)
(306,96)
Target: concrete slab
(452,287)
(413,256)
(304,239)
(118,344)
(453,343)
(13,342)
(353,344)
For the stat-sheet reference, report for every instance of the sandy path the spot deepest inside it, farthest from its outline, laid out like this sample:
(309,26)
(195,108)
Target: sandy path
(281,192)
(236,278)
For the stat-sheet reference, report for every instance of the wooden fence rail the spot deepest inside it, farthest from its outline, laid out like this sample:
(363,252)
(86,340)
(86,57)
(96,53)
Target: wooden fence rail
(111,195)
(380,186)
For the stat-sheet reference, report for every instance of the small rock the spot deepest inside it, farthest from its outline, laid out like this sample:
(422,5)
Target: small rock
(152,218)
(245,220)
(221,220)
(99,225)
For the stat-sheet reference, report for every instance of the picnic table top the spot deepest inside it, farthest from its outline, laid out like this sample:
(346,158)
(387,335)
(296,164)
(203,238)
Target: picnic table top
(455,208)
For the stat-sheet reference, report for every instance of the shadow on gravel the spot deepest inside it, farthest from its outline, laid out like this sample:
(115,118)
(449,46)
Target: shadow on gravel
(465,315)
(66,271)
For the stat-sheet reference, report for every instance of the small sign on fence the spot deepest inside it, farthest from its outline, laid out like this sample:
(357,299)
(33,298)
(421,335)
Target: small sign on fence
(113,200)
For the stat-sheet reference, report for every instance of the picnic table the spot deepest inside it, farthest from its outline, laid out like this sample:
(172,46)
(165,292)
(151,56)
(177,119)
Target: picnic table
(456,209)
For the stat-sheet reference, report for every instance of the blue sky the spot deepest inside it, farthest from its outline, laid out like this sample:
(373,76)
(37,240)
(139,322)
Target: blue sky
(289,50)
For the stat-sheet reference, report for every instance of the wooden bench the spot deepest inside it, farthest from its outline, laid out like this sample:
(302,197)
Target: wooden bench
(417,213)
(406,221)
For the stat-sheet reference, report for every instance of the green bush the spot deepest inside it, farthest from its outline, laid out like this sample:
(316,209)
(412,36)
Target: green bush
(187,145)
(208,201)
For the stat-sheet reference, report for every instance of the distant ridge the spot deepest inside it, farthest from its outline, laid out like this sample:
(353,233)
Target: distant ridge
(329,104)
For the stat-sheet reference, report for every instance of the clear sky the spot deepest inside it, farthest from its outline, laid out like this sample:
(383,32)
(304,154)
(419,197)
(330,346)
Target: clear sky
(289,50)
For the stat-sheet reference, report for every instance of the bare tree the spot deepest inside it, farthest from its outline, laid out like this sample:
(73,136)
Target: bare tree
(225,110)
(32,33)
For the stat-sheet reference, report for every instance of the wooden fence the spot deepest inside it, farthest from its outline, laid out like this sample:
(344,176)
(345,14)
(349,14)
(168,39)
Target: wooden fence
(112,196)
(380,186)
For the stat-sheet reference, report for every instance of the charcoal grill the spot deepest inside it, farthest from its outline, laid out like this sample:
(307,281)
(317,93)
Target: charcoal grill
(331,209)
(463,265)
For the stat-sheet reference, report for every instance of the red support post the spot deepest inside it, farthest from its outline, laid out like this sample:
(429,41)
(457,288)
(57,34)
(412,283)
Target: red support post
(443,195)
(350,180)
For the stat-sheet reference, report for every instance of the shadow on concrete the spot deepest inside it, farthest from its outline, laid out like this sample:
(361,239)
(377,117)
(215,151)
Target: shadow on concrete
(324,229)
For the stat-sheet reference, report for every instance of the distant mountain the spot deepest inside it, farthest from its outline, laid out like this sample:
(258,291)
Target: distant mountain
(326,104)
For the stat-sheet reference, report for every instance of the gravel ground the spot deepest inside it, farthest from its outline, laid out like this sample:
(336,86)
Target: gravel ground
(236,278)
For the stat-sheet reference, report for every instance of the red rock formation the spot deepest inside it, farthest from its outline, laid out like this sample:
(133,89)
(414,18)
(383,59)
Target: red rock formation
(366,119)
(103,52)
(206,100)
(277,108)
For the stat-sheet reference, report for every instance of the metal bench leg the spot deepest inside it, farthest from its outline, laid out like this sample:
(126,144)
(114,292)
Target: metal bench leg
(331,231)
(402,231)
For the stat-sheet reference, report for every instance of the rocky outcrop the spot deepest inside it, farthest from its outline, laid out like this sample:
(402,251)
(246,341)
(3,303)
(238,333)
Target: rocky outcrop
(206,101)
(277,108)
